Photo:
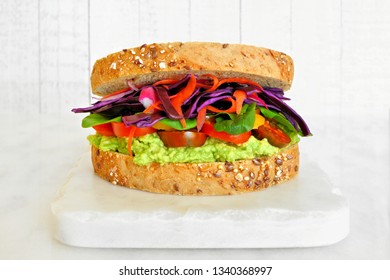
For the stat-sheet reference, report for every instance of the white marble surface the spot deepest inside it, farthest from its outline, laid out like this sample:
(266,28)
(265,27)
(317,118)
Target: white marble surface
(306,211)
(37,152)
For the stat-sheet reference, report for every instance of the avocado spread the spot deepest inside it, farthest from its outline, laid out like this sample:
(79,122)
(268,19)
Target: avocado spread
(149,148)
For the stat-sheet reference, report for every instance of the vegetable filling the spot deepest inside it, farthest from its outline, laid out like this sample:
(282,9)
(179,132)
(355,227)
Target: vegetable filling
(191,113)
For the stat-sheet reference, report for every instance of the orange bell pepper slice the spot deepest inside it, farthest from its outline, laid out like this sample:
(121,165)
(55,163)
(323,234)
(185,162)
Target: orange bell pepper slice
(165,82)
(183,95)
(155,106)
(234,80)
(201,118)
(240,96)
(130,140)
(232,108)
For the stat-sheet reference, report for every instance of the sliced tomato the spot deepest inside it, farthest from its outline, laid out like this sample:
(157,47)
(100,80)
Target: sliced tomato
(208,129)
(104,129)
(120,130)
(275,136)
(174,139)
(142,131)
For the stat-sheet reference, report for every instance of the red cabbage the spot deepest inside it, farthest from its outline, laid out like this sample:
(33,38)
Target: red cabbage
(180,84)
(210,101)
(287,111)
(162,93)
(127,104)
(204,96)
(127,97)
(142,119)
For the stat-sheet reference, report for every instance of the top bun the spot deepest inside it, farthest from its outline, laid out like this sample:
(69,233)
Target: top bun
(149,63)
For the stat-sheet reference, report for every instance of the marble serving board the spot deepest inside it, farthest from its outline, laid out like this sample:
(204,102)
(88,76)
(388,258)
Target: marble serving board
(304,212)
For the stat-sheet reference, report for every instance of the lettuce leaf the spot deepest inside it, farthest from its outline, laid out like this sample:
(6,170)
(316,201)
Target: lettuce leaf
(96,119)
(237,124)
(190,123)
(279,119)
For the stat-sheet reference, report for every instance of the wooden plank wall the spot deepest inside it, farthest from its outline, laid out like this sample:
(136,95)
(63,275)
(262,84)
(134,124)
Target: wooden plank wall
(340,47)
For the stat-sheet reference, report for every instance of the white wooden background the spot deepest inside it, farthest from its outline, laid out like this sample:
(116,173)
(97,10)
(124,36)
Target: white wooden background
(341,50)
(340,47)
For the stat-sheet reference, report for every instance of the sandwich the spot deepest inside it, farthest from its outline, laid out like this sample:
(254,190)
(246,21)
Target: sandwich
(195,118)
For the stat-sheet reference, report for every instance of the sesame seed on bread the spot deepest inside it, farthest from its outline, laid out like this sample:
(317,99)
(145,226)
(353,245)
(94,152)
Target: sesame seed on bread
(214,178)
(149,63)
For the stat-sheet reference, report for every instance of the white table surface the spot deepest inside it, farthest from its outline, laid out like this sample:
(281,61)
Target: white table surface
(37,153)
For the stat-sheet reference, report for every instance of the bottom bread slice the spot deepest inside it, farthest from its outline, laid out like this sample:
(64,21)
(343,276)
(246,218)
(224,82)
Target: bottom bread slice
(215,178)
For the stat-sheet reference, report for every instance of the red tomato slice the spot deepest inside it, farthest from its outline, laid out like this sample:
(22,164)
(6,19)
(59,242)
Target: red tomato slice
(120,130)
(142,131)
(104,129)
(275,136)
(208,129)
(174,139)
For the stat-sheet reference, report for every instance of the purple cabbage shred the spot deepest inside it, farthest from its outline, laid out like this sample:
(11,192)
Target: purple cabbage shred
(127,104)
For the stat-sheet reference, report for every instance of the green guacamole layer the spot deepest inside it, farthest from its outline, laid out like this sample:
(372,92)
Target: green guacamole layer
(149,148)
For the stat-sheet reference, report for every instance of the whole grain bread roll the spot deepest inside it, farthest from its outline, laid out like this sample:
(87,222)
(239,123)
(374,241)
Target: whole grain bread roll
(149,63)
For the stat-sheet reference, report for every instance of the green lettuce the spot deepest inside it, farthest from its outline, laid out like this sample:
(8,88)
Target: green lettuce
(282,123)
(96,119)
(190,123)
(237,124)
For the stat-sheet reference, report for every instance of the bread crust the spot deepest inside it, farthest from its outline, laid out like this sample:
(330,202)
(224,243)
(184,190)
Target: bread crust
(152,62)
(216,178)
